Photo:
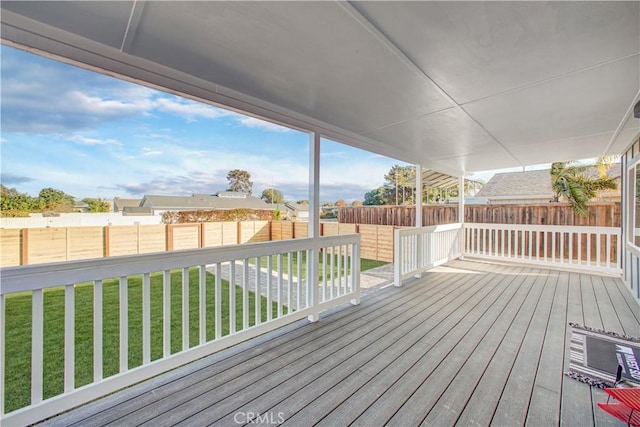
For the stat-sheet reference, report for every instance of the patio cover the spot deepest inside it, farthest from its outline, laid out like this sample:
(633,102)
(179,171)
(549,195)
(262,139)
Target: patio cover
(457,87)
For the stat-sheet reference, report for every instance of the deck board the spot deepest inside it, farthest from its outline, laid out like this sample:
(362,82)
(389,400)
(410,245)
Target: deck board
(470,343)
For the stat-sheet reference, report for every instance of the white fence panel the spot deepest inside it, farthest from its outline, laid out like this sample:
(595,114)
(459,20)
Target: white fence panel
(419,249)
(275,274)
(583,248)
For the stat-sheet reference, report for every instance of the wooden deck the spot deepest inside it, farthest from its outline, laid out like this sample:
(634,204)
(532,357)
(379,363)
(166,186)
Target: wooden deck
(470,343)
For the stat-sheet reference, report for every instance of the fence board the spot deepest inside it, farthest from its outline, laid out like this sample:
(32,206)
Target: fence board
(254,231)
(10,247)
(85,243)
(184,236)
(46,245)
(212,234)
(602,214)
(152,238)
(281,230)
(122,240)
(301,230)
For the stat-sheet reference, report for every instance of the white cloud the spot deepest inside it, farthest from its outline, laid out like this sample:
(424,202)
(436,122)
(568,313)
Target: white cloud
(146,151)
(4,140)
(92,141)
(188,109)
(252,122)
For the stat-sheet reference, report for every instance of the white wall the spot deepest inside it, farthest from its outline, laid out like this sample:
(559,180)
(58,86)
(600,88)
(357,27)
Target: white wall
(78,220)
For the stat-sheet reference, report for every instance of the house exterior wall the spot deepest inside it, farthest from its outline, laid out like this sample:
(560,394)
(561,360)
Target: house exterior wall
(631,218)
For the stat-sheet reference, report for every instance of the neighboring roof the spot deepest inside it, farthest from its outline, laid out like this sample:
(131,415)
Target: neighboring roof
(202,201)
(298,207)
(528,183)
(136,210)
(531,184)
(119,204)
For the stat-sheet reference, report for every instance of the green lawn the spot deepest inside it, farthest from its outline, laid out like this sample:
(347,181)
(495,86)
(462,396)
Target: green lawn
(18,330)
(18,327)
(365,264)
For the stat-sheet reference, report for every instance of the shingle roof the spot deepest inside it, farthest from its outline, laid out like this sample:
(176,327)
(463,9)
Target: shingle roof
(530,183)
(119,204)
(200,201)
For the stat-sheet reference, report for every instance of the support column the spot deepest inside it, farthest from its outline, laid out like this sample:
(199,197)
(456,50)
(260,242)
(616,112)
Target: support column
(314,225)
(461,238)
(418,220)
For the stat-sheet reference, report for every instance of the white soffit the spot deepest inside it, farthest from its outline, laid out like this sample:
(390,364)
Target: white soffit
(464,86)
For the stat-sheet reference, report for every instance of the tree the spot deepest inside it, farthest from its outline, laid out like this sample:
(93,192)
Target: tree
(341,203)
(303,202)
(356,203)
(375,197)
(400,184)
(56,200)
(97,205)
(272,195)
(14,203)
(239,181)
(572,182)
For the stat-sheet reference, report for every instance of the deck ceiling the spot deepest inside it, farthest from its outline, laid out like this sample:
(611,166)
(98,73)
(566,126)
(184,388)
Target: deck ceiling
(455,86)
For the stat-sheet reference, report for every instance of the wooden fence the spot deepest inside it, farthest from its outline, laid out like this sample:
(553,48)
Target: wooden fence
(600,215)
(44,245)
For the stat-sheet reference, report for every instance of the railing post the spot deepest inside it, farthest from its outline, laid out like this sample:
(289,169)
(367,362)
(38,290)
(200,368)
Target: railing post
(355,272)
(397,258)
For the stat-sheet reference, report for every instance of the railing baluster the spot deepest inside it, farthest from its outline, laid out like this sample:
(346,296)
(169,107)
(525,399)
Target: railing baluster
(269,284)
(202,270)
(245,293)
(69,339)
(279,287)
(146,318)
(553,246)
(579,238)
(258,292)
(232,297)
(290,281)
(299,281)
(588,248)
(218,300)
(124,323)
(324,275)
(37,319)
(339,270)
(608,250)
(185,308)
(97,330)
(333,271)
(166,313)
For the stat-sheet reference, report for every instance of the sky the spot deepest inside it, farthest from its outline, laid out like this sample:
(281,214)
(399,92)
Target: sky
(92,135)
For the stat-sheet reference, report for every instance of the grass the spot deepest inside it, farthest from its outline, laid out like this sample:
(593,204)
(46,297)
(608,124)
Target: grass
(18,327)
(365,264)
(18,330)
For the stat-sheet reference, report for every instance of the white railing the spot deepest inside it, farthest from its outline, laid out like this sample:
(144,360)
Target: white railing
(581,248)
(163,310)
(419,249)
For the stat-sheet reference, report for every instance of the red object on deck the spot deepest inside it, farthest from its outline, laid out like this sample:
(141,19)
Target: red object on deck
(627,409)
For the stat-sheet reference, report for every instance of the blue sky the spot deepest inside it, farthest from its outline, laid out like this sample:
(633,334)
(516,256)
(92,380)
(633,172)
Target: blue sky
(92,135)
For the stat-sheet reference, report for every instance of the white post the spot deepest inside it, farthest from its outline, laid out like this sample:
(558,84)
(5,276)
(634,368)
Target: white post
(461,214)
(418,220)
(314,225)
